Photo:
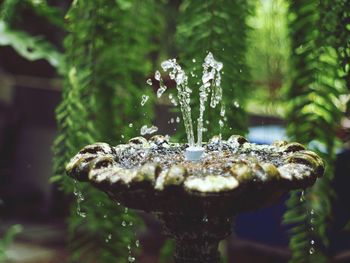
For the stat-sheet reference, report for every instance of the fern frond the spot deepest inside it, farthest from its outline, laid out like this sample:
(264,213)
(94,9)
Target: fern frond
(106,54)
(29,47)
(313,117)
(53,15)
(9,9)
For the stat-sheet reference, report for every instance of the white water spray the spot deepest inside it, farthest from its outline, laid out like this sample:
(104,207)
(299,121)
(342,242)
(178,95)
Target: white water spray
(211,85)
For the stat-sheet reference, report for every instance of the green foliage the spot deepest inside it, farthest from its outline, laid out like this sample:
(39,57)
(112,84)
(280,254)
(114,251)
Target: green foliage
(53,15)
(219,27)
(268,50)
(341,38)
(313,119)
(165,254)
(11,9)
(342,43)
(106,53)
(29,47)
(7,239)
(104,65)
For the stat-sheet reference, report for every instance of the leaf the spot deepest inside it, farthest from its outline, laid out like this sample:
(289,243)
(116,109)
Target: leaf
(31,48)
(7,239)
(313,116)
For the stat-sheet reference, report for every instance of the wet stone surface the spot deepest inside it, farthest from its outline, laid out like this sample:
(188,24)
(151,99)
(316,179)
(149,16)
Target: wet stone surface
(226,164)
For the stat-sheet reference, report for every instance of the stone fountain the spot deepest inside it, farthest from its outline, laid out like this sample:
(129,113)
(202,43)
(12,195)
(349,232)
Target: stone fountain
(196,201)
(196,189)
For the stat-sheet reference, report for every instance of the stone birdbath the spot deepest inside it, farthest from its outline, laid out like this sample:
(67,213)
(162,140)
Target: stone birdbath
(196,200)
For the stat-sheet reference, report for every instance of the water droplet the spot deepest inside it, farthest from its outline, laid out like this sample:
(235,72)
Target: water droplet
(193,60)
(160,91)
(145,130)
(173,100)
(108,238)
(302,196)
(168,64)
(80,213)
(144,100)
(131,259)
(172,75)
(157,75)
(149,82)
(222,111)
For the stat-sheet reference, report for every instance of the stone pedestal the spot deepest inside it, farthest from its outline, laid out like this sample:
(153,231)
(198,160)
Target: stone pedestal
(197,236)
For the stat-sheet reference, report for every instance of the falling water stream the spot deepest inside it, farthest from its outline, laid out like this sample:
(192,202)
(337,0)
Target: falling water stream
(311,219)
(80,198)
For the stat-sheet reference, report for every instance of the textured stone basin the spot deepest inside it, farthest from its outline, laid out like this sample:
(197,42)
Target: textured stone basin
(196,200)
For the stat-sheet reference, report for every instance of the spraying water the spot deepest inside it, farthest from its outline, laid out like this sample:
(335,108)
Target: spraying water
(211,85)
(178,74)
(211,81)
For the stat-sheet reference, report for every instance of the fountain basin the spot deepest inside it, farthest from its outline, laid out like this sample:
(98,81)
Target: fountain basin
(196,201)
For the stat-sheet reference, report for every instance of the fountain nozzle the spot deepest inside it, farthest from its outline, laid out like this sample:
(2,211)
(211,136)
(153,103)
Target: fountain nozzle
(194,153)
